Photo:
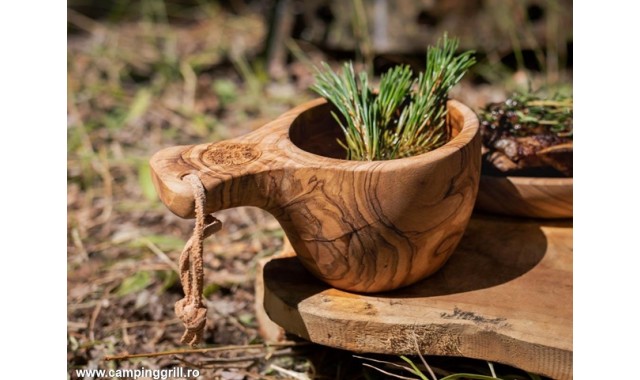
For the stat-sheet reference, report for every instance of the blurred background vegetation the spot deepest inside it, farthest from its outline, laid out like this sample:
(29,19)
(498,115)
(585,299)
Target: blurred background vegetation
(147,74)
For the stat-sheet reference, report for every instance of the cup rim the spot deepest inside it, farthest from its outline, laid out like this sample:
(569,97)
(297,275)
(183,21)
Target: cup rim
(470,129)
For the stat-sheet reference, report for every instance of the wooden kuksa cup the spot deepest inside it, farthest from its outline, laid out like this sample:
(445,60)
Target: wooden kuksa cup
(362,226)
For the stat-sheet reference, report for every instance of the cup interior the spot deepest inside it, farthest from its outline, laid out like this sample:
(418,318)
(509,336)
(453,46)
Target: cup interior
(316,131)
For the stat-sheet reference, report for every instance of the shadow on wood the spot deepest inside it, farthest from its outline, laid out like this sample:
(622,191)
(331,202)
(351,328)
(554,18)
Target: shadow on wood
(489,254)
(505,295)
(531,197)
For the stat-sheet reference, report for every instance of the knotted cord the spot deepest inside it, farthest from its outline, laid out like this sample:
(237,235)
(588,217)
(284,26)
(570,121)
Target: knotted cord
(191,309)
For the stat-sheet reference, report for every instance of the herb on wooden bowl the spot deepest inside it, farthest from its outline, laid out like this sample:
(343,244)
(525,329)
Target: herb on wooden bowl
(527,166)
(528,135)
(406,115)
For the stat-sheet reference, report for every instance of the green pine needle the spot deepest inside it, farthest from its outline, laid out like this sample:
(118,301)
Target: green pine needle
(406,116)
(531,113)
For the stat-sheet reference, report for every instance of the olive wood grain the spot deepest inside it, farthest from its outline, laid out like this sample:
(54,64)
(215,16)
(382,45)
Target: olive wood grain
(504,296)
(358,225)
(526,196)
(270,331)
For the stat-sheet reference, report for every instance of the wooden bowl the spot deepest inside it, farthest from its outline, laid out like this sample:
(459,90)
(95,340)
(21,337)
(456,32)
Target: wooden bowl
(532,197)
(357,225)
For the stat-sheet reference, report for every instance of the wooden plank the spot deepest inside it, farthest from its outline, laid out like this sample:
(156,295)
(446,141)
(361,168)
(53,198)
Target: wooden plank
(505,295)
(526,196)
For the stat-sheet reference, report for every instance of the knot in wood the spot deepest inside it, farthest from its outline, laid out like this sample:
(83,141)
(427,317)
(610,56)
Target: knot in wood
(230,154)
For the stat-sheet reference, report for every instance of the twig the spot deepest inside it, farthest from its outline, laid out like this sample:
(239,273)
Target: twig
(424,361)
(102,166)
(128,325)
(361,34)
(493,371)
(125,337)
(76,326)
(386,362)
(87,144)
(241,365)
(188,363)
(190,84)
(292,374)
(81,21)
(92,321)
(84,305)
(281,25)
(295,49)
(96,312)
(161,255)
(202,350)
(387,373)
(246,358)
(77,242)
(254,376)
(237,362)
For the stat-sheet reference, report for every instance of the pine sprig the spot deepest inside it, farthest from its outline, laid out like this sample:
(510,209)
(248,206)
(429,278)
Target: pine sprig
(529,114)
(406,116)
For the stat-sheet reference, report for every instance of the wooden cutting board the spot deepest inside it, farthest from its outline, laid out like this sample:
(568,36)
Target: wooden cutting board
(506,295)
